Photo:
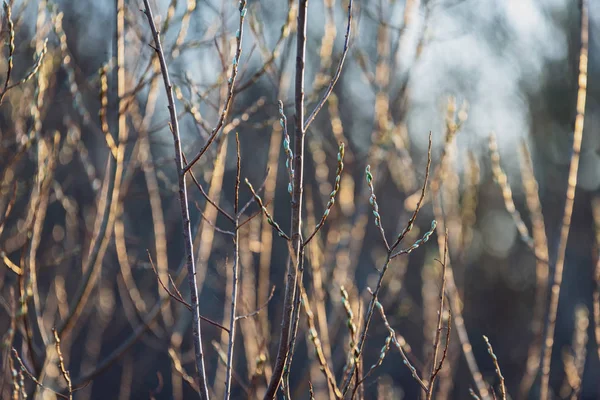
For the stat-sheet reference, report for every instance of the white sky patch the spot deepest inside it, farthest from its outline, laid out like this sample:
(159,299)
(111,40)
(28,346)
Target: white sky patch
(484,52)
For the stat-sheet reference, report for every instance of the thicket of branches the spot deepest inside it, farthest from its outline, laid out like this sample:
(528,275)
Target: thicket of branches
(198,217)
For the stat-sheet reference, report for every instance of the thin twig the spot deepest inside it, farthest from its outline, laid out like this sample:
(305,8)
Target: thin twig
(259,309)
(497,366)
(413,217)
(283,34)
(438,333)
(294,271)
(207,197)
(33,378)
(417,243)
(337,73)
(569,203)
(268,215)
(251,200)
(230,87)
(236,265)
(61,364)
(390,249)
(251,217)
(375,206)
(212,202)
(177,295)
(382,354)
(405,359)
(446,343)
(455,302)
(183,199)
(336,188)
(209,222)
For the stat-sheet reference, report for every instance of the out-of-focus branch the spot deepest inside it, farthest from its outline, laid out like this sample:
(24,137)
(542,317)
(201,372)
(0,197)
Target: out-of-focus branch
(569,203)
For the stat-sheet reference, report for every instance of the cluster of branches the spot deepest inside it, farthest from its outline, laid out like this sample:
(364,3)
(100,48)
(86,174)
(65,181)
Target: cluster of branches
(56,247)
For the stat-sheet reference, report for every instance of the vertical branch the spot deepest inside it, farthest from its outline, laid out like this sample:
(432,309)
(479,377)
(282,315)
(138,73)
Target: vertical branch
(438,333)
(540,240)
(230,87)
(47,160)
(266,238)
(236,263)
(185,213)
(293,274)
(569,203)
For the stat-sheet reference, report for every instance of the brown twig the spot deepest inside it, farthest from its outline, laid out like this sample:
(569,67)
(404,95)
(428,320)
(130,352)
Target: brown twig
(209,222)
(436,343)
(283,34)
(336,188)
(294,271)
(390,250)
(337,73)
(183,199)
(259,309)
(33,378)
(230,88)
(207,197)
(455,302)
(177,295)
(398,345)
(251,200)
(266,212)
(235,275)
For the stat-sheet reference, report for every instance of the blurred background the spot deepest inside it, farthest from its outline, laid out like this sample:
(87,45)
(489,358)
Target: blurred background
(78,229)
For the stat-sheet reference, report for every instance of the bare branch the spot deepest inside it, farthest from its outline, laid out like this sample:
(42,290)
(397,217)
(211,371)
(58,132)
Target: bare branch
(183,199)
(177,295)
(497,366)
(337,73)
(259,309)
(230,88)
(336,188)
(438,333)
(569,204)
(270,220)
